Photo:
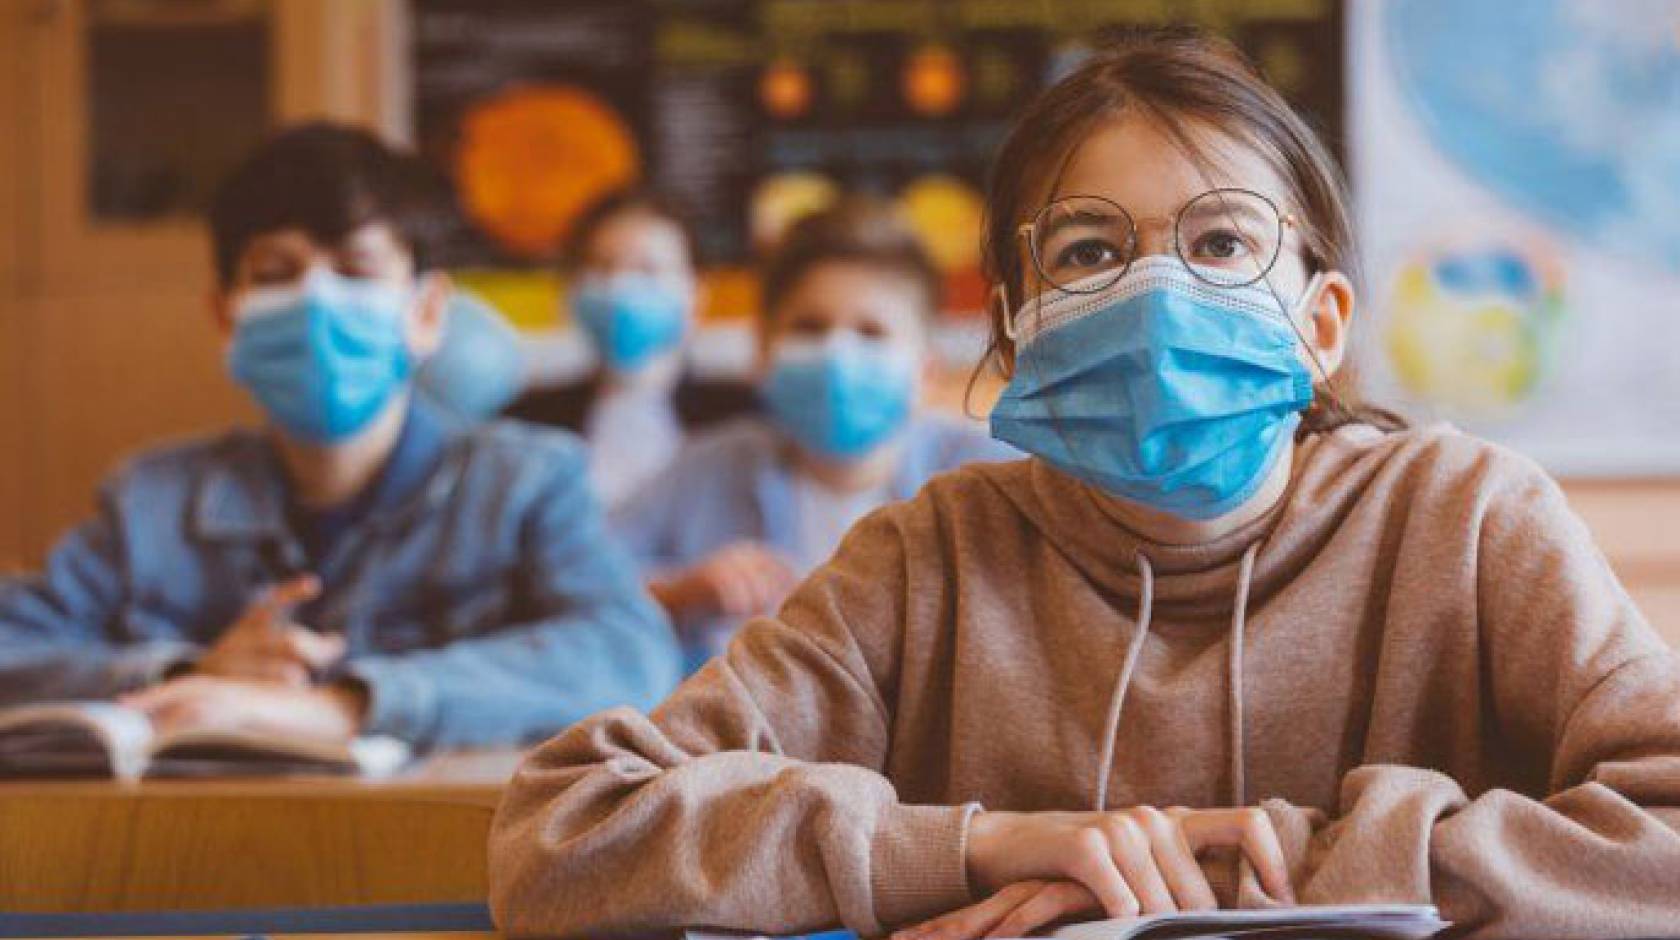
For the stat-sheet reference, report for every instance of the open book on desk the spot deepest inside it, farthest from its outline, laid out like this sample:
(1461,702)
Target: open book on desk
(1374,921)
(102,739)
(1349,922)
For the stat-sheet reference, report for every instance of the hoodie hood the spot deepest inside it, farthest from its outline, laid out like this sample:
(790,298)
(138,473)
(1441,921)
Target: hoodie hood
(1197,582)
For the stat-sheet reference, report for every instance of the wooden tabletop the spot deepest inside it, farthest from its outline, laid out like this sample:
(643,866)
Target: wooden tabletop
(90,846)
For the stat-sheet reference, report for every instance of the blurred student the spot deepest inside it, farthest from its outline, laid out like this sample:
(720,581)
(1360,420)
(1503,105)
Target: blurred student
(478,368)
(635,289)
(747,509)
(363,563)
(1228,639)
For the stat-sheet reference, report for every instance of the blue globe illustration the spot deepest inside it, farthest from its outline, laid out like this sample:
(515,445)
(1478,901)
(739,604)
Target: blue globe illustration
(1568,109)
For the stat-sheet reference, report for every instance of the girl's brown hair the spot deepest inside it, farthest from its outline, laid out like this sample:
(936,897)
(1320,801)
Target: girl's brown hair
(1176,78)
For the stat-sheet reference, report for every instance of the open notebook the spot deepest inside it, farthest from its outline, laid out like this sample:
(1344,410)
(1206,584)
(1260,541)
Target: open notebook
(1374,921)
(101,739)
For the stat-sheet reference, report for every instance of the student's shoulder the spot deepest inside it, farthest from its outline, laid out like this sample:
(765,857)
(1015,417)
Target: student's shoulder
(959,441)
(180,463)
(1436,464)
(979,482)
(1438,450)
(514,447)
(978,496)
(729,444)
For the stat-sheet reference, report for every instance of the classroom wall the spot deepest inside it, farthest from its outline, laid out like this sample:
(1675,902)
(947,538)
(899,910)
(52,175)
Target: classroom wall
(106,341)
(12,404)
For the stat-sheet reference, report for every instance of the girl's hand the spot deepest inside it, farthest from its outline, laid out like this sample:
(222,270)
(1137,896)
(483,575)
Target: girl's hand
(1016,911)
(1135,861)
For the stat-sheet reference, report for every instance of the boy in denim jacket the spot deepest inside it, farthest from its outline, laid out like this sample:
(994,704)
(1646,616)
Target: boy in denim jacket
(363,563)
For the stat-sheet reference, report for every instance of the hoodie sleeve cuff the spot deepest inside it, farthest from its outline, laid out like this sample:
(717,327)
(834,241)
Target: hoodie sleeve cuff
(1295,827)
(919,862)
(401,700)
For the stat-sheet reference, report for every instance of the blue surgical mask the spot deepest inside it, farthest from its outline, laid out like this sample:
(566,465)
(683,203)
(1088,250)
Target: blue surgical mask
(1159,389)
(325,357)
(840,397)
(630,318)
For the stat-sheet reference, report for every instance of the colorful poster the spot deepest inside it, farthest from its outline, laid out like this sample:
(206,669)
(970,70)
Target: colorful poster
(1517,172)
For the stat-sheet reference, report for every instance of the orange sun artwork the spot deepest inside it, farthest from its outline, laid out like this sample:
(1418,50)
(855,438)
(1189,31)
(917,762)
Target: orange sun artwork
(785,89)
(933,81)
(531,158)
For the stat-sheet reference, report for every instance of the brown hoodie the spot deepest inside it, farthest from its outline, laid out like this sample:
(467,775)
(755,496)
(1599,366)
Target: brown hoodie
(1417,663)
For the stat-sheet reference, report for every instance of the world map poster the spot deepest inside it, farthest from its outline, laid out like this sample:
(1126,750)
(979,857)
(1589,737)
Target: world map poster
(1517,173)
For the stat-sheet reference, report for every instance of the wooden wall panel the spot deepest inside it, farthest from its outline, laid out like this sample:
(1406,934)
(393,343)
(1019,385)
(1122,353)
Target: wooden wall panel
(112,372)
(16,151)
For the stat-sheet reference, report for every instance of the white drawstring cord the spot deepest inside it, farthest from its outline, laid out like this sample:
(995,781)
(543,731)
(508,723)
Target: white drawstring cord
(1239,618)
(1134,651)
(1146,605)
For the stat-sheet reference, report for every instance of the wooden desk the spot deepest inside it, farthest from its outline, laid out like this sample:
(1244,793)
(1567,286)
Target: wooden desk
(274,843)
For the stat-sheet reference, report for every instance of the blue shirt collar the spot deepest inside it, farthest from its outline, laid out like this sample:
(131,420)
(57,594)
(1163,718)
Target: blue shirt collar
(245,495)
(773,478)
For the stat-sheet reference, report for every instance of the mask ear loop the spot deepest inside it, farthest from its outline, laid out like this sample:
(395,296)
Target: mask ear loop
(1303,304)
(1309,295)
(1314,285)
(1000,298)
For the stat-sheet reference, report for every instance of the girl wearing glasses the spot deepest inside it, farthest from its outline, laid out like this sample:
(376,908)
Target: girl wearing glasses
(1229,639)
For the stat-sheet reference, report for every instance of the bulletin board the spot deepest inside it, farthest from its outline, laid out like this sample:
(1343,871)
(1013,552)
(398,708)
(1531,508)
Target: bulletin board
(752,112)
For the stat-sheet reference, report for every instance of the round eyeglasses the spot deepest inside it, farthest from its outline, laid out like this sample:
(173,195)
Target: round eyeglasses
(1226,237)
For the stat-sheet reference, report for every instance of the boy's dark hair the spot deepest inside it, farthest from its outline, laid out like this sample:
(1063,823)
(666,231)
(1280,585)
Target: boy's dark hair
(328,180)
(660,205)
(857,229)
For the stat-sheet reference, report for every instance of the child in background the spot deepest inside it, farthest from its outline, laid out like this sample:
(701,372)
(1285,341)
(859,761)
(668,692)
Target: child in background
(635,290)
(747,509)
(1229,638)
(478,367)
(364,563)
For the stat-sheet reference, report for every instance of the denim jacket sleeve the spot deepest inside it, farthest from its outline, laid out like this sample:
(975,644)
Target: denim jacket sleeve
(641,522)
(60,629)
(595,640)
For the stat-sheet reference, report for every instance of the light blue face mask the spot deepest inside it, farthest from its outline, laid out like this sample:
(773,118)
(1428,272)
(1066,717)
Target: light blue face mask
(322,358)
(1160,389)
(841,397)
(630,318)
